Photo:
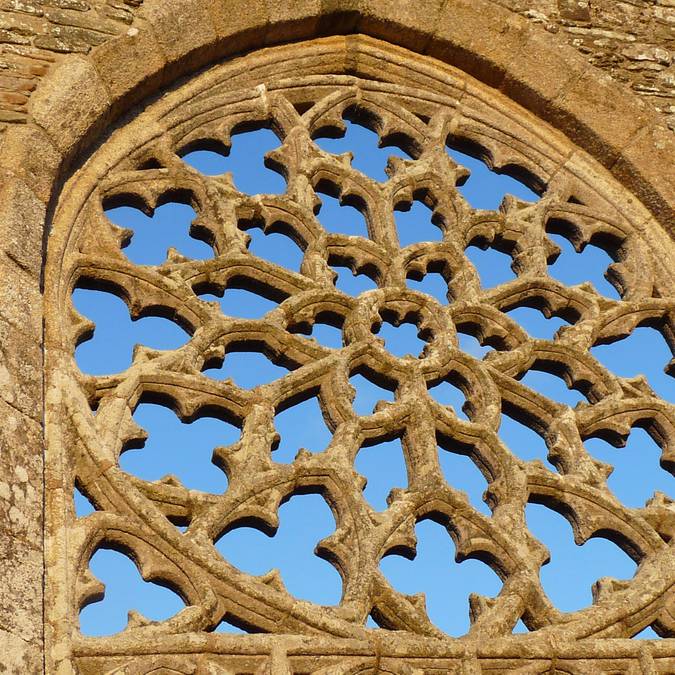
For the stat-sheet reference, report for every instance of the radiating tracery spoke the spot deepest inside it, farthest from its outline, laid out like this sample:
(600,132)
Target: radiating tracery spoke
(372,331)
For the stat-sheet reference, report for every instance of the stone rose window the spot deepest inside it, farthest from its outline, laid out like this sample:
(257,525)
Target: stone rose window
(468,339)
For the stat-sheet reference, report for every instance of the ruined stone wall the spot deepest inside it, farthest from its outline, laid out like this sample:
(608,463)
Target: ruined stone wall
(632,40)
(70,67)
(34,33)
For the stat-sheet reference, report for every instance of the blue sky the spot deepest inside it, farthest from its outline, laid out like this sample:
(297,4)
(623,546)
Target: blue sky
(184,450)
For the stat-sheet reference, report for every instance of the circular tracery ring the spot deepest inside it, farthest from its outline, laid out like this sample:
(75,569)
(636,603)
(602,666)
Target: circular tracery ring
(418,106)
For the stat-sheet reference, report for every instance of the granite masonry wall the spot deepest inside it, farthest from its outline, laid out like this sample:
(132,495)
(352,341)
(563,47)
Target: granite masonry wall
(632,40)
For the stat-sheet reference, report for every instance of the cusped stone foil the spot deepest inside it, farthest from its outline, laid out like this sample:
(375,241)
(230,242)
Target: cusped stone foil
(302,91)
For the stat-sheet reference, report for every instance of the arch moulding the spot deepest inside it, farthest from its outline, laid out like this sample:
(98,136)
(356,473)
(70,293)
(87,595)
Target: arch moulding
(83,97)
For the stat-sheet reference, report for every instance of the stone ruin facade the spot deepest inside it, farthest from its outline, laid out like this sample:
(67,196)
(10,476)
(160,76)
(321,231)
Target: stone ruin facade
(100,99)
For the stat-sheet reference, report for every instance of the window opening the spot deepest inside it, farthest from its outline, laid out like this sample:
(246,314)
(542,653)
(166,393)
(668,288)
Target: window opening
(520,628)
(178,449)
(552,386)
(523,441)
(303,522)
(471,345)
(569,576)
(301,426)
(383,466)
(153,235)
(637,474)
(589,265)
(352,284)
(401,340)
(276,248)
(327,335)
(367,394)
(643,352)
(493,267)
(115,333)
(371,623)
(647,634)
(83,507)
(485,188)
(535,323)
(247,368)
(229,628)
(253,173)
(241,303)
(449,395)
(461,473)
(444,582)
(341,218)
(415,224)
(432,284)
(124,591)
(370,156)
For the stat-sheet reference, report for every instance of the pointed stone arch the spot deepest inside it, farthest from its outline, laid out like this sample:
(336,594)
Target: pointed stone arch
(173,39)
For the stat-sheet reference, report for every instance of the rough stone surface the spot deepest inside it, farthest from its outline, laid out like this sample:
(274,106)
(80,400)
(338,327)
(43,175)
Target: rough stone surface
(97,101)
(632,40)
(69,119)
(21,540)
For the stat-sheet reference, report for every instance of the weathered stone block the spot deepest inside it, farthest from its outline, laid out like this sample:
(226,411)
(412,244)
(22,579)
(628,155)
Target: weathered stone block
(22,217)
(23,306)
(21,571)
(19,656)
(233,23)
(71,120)
(459,40)
(656,187)
(536,75)
(610,118)
(60,45)
(20,481)
(574,10)
(11,37)
(77,19)
(21,370)
(126,62)
(37,169)
(180,26)
(291,21)
(643,52)
(412,26)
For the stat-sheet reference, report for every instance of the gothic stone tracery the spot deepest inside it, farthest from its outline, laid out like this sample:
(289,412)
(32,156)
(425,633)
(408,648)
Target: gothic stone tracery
(419,104)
